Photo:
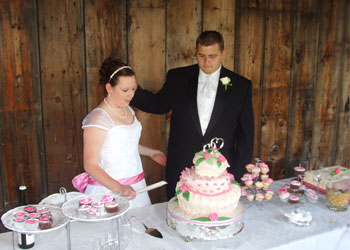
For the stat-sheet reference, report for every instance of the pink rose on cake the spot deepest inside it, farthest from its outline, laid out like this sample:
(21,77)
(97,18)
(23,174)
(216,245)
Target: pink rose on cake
(231,176)
(221,158)
(206,156)
(213,216)
(184,188)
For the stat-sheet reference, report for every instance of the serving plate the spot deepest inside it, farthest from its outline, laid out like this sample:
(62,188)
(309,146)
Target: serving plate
(59,220)
(70,208)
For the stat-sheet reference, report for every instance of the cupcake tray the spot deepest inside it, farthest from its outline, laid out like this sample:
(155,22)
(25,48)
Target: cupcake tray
(58,199)
(59,220)
(70,208)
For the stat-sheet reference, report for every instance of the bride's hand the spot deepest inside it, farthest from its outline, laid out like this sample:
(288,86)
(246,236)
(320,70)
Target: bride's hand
(127,191)
(158,156)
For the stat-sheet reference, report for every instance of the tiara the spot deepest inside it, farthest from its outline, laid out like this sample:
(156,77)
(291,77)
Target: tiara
(117,70)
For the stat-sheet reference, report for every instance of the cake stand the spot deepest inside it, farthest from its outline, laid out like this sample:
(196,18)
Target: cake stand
(70,209)
(205,230)
(59,221)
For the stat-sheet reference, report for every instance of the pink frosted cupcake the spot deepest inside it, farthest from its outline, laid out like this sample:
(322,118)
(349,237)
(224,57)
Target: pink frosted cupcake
(249,167)
(248,183)
(295,184)
(311,197)
(92,213)
(250,196)
(107,198)
(284,195)
(256,170)
(100,206)
(299,170)
(83,209)
(293,199)
(34,216)
(85,201)
(19,222)
(259,197)
(264,168)
(268,194)
(266,183)
(44,210)
(270,180)
(20,214)
(244,191)
(30,209)
(264,177)
(32,224)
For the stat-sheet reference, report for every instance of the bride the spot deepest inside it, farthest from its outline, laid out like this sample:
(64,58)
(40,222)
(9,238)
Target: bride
(111,139)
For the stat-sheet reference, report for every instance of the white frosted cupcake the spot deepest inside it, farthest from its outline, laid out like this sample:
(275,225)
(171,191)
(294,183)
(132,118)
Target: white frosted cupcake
(268,194)
(248,183)
(264,177)
(263,167)
(249,167)
(259,185)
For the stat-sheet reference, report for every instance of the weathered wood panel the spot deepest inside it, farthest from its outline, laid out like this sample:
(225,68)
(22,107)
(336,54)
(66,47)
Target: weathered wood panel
(146,49)
(105,32)
(342,156)
(62,72)
(301,109)
(250,40)
(220,16)
(21,133)
(277,63)
(183,27)
(331,32)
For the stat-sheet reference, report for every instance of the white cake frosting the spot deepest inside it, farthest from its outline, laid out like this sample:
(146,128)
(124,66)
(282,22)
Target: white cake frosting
(207,190)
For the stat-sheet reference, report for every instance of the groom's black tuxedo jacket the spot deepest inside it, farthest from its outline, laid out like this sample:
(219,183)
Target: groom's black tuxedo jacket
(231,119)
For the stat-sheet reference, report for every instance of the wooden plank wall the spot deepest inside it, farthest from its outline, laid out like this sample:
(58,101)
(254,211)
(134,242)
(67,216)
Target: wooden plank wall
(297,54)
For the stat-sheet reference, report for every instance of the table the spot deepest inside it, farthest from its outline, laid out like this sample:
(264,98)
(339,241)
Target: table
(263,229)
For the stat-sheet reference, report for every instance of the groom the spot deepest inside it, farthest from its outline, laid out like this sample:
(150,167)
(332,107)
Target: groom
(206,101)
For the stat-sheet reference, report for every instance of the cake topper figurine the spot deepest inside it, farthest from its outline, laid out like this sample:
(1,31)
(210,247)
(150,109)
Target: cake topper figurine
(213,145)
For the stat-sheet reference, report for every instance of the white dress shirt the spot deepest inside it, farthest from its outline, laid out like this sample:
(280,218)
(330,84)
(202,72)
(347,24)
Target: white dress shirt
(206,93)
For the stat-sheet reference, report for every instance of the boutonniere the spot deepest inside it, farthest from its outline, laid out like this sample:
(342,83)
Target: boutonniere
(225,81)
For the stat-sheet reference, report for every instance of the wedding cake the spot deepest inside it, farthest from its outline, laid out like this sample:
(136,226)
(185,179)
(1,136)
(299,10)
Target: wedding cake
(206,203)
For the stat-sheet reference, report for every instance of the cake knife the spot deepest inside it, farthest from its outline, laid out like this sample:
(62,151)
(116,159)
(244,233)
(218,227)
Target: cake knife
(150,187)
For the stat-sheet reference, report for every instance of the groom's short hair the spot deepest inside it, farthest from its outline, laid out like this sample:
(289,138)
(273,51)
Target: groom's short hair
(210,37)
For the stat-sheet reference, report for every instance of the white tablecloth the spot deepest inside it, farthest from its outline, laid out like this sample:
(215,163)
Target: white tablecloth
(263,229)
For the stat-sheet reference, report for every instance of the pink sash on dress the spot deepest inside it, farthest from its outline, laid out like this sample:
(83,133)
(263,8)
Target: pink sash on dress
(81,181)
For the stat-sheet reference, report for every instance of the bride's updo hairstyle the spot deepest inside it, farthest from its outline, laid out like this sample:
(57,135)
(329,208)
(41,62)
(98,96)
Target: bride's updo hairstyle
(112,69)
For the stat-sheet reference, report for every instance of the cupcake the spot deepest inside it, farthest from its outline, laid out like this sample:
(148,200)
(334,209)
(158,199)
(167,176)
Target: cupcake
(107,198)
(295,184)
(268,194)
(299,171)
(47,216)
(244,191)
(30,209)
(256,170)
(263,168)
(284,195)
(85,201)
(83,208)
(111,207)
(259,197)
(20,214)
(266,183)
(293,199)
(310,191)
(270,180)
(19,222)
(31,224)
(259,185)
(44,210)
(249,167)
(248,183)
(100,206)
(311,197)
(282,190)
(34,216)
(92,213)
(45,224)
(250,196)
(264,177)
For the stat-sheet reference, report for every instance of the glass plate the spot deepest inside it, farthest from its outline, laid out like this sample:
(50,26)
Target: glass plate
(59,220)
(58,199)
(70,208)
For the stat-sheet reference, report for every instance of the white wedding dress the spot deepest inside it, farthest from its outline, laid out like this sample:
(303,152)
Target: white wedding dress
(119,155)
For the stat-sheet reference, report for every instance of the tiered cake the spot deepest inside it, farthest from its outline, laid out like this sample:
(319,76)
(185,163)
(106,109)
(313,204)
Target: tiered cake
(206,205)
